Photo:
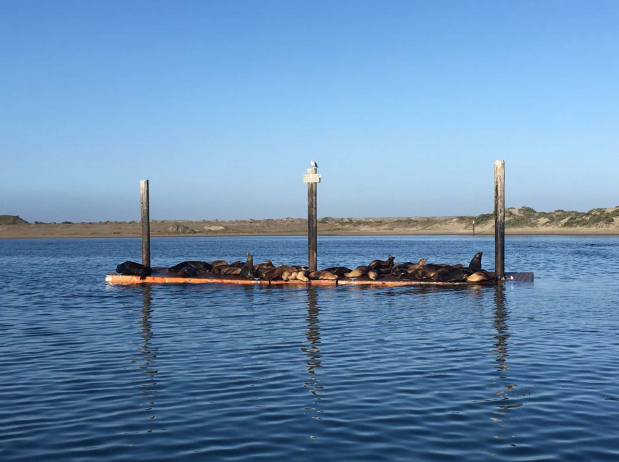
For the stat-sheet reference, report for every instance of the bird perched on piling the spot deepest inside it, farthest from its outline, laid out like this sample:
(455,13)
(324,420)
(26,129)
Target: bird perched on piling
(314,164)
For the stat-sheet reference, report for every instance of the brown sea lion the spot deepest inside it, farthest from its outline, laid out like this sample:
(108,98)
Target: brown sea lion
(323,276)
(384,266)
(358,272)
(374,274)
(339,271)
(453,274)
(303,276)
(217,265)
(247,271)
(229,271)
(399,271)
(276,273)
(475,264)
(262,268)
(262,265)
(197,265)
(424,273)
(480,276)
(438,266)
(287,275)
(187,272)
(131,268)
(405,270)
(412,267)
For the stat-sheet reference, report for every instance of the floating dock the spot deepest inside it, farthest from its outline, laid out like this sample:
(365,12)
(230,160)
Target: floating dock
(161,276)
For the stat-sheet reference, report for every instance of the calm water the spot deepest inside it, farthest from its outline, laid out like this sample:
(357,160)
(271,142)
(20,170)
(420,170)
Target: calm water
(92,372)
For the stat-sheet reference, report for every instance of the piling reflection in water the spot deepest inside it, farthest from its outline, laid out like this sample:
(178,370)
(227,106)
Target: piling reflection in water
(312,351)
(501,398)
(149,391)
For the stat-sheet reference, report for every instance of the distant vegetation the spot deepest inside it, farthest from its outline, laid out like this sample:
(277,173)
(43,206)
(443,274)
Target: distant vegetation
(12,220)
(526,217)
(596,220)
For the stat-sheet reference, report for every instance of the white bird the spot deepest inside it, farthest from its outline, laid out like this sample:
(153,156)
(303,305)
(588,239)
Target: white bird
(314,164)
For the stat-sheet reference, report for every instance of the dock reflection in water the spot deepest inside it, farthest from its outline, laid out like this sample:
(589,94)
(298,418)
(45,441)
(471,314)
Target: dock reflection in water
(502,386)
(312,351)
(148,352)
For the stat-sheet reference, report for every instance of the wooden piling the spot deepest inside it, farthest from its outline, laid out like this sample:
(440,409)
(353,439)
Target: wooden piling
(312,179)
(312,226)
(145,222)
(499,218)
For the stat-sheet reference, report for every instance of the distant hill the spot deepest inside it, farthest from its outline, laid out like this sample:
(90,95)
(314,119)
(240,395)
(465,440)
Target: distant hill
(523,220)
(526,217)
(12,220)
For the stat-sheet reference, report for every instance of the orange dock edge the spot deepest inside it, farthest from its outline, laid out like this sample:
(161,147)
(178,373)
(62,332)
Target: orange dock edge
(160,276)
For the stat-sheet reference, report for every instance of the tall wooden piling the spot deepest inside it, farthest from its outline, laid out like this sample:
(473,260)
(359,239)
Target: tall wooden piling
(499,218)
(145,222)
(312,179)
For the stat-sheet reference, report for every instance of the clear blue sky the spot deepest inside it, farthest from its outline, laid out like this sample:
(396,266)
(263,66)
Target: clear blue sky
(405,105)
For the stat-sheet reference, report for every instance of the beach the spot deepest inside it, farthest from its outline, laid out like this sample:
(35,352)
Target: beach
(524,221)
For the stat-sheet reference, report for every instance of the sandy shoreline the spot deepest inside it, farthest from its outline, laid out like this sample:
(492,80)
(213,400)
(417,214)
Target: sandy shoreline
(285,227)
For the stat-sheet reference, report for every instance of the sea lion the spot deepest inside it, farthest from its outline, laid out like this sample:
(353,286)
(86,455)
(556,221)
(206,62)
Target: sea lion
(339,271)
(262,265)
(358,272)
(399,271)
(405,270)
(247,271)
(452,274)
(303,276)
(276,273)
(438,266)
(217,265)
(229,271)
(412,267)
(323,276)
(374,274)
(131,268)
(197,265)
(262,268)
(424,273)
(287,275)
(480,276)
(270,274)
(187,272)
(383,266)
(475,264)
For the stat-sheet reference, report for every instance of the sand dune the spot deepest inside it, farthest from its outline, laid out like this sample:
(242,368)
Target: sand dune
(518,221)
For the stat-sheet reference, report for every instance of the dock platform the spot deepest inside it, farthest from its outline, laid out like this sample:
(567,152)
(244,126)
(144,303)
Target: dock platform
(161,276)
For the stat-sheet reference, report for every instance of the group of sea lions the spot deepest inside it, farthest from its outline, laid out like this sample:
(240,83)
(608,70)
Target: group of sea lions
(420,271)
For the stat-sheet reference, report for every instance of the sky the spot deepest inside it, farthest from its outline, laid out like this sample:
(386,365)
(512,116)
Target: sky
(221,105)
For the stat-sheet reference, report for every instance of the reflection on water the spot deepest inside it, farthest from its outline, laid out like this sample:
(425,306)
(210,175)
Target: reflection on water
(148,352)
(312,351)
(502,385)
